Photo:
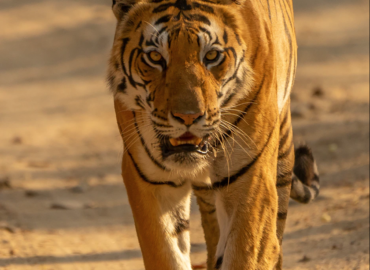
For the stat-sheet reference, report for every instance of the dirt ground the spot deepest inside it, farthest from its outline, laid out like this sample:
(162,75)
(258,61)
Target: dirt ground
(62,201)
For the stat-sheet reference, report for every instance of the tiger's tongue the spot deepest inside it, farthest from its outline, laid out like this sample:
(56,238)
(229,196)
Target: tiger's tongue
(186,138)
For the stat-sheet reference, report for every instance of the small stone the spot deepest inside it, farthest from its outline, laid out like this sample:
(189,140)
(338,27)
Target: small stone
(90,205)
(77,189)
(30,193)
(318,92)
(293,96)
(350,228)
(297,113)
(7,227)
(38,164)
(312,106)
(333,147)
(66,205)
(5,183)
(305,259)
(11,252)
(325,217)
(17,140)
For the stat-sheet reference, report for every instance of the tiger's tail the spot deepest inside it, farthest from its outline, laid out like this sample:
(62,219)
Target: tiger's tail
(305,179)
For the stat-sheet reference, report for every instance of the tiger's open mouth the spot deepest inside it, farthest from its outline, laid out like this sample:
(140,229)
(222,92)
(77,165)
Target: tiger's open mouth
(186,143)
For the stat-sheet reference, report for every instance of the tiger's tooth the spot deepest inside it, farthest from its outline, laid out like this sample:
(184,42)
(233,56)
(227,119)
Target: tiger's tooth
(198,141)
(177,142)
(174,142)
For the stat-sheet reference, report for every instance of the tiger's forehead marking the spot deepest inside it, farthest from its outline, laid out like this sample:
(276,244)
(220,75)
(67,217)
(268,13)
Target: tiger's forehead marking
(177,16)
(182,5)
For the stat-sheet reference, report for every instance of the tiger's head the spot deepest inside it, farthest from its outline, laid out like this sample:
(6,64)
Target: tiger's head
(178,64)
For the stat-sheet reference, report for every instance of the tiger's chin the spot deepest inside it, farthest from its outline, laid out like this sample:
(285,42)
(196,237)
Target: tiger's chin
(188,164)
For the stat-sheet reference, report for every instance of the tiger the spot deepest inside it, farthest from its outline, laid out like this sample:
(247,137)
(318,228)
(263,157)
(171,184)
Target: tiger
(201,93)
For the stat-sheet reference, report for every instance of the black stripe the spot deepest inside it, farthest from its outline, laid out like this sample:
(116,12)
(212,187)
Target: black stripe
(234,54)
(235,73)
(162,8)
(286,153)
(204,202)
(211,211)
(181,225)
(139,102)
(160,125)
(307,196)
(253,60)
(202,7)
(225,37)
(200,188)
(141,40)
(146,148)
(241,115)
(282,215)
(180,4)
(219,262)
(123,48)
(161,31)
(163,19)
(229,180)
(268,5)
(287,13)
(150,43)
(237,37)
(206,31)
(283,175)
(138,25)
(146,179)
(132,54)
(227,100)
(285,120)
(285,183)
(199,18)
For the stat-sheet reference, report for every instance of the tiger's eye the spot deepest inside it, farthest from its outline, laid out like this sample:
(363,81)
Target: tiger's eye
(212,55)
(155,56)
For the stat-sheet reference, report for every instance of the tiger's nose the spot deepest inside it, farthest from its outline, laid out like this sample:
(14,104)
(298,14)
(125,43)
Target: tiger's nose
(188,119)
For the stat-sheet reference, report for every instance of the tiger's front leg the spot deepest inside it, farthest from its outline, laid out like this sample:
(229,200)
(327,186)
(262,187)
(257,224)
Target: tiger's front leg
(161,214)
(247,208)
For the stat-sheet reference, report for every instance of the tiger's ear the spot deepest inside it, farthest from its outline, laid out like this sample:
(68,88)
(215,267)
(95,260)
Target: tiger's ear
(121,7)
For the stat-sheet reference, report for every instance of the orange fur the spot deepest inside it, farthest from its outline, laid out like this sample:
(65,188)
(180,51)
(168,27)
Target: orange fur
(243,188)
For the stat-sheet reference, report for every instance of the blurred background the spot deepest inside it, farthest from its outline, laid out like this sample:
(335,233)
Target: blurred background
(62,201)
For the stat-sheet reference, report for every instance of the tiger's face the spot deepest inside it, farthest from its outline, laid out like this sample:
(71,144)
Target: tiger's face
(177,65)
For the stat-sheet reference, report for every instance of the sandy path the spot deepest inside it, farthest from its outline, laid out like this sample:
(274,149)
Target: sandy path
(60,146)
